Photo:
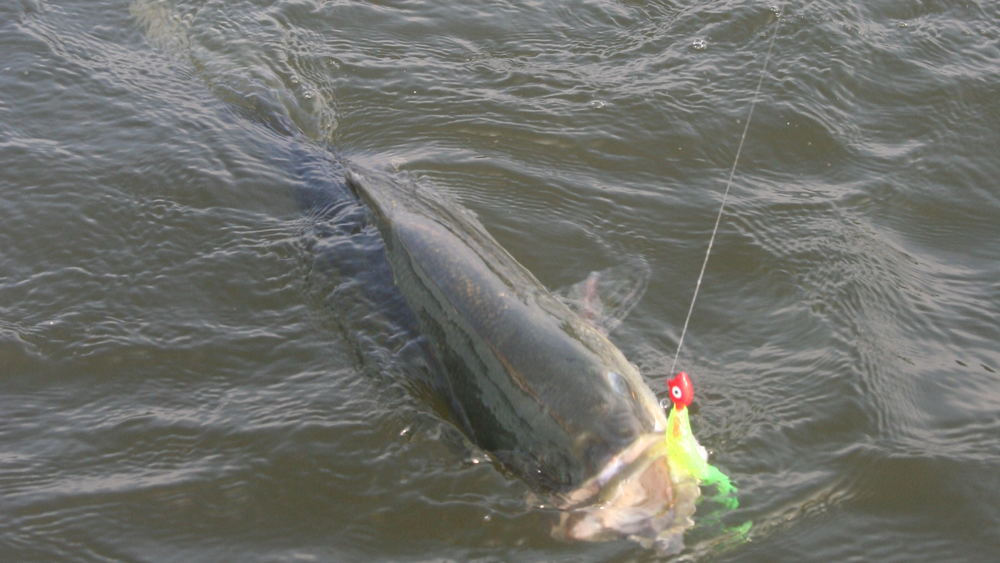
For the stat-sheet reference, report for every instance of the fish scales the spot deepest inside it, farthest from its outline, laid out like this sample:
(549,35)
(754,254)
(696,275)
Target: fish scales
(533,379)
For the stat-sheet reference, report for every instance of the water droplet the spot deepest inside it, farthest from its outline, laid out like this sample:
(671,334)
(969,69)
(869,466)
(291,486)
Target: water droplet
(294,79)
(596,104)
(307,95)
(700,45)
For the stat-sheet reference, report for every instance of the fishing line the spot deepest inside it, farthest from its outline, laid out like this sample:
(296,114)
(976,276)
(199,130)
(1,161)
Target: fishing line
(725,195)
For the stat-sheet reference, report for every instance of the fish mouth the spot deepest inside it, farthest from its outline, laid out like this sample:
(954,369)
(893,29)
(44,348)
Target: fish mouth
(634,496)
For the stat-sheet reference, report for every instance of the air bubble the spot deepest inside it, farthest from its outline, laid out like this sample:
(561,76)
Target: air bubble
(596,104)
(700,45)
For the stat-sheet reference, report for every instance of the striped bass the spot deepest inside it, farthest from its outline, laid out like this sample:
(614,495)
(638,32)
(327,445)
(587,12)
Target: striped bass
(537,385)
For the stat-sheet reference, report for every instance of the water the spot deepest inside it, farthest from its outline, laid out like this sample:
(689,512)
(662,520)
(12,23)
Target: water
(186,374)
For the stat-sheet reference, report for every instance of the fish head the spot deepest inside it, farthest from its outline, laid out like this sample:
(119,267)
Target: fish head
(619,404)
(630,492)
(633,497)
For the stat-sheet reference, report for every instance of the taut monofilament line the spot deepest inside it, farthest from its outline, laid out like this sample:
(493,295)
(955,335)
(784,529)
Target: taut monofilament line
(725,194)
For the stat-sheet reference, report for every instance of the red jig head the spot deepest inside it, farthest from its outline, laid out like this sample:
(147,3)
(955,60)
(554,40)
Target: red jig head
(681,390)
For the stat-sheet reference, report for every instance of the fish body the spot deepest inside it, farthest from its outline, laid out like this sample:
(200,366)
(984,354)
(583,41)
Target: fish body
(537,385)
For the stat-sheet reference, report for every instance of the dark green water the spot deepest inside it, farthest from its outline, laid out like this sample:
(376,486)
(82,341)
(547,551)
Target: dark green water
(188,374)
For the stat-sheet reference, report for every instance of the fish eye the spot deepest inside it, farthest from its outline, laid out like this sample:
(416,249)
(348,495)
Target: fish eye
(617,383)
(676,392)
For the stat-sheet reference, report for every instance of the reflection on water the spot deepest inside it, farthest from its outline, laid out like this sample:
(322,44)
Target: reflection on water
(192,370)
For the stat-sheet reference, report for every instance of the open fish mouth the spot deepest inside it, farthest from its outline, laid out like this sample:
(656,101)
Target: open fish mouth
(634,496)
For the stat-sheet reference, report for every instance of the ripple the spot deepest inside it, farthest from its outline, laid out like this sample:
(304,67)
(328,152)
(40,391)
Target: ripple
(195,369)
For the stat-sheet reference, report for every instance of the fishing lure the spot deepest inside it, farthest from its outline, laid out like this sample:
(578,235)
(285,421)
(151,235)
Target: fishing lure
(686,455)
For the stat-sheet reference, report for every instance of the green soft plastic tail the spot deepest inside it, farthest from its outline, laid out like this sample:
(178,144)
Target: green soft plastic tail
(686,454)
(726,494)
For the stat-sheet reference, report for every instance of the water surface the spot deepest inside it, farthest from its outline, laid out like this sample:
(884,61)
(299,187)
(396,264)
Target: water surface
(191,370)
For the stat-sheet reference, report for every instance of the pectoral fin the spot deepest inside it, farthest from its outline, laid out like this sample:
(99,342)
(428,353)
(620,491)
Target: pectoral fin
(606,297)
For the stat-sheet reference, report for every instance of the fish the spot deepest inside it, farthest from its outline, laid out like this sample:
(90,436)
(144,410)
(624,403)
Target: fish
(532,381)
